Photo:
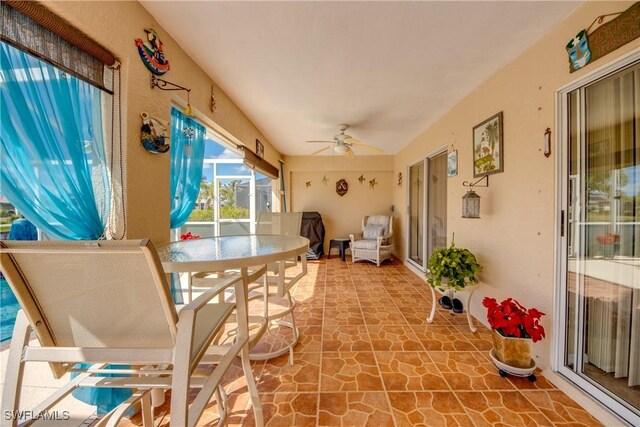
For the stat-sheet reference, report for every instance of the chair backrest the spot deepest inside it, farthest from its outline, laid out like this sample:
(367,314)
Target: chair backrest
(104,294)
(385,221)
(283,224)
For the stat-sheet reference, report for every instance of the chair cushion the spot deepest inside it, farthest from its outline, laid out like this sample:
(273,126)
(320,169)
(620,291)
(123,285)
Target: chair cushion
(372,232)
(365,244)
(382,220)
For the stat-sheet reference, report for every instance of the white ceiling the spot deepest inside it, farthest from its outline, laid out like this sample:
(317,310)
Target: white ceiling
(389,69)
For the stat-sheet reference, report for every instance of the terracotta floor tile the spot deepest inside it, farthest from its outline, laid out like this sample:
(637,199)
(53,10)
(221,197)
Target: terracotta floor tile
(469,371)
(354,409)
(409,371)
(393,338)
(284,410)
(347,315)
(279,376)
(442,338)
(350,371)
(559,408)
(428,409)
(509,408)
(383,314)
(346,338)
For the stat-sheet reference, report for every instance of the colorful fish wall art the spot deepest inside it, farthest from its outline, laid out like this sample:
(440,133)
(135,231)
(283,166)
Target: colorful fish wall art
(152,54)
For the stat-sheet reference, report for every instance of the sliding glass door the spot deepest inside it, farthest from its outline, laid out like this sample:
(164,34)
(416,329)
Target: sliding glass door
(427,208)
(415,213)
(600,292)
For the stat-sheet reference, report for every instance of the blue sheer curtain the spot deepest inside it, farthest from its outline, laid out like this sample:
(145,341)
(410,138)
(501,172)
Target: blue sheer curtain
(53,167)
(187,156)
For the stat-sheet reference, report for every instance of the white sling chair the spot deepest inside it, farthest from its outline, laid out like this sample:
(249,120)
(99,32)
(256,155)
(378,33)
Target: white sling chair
(278,283)
(275,283)
(108,302)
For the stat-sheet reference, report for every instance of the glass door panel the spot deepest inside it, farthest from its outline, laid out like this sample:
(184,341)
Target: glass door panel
(602,333)
(416,214)
(437,203)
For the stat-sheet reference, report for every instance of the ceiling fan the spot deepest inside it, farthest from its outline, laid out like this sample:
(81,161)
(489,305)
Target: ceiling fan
(344,144)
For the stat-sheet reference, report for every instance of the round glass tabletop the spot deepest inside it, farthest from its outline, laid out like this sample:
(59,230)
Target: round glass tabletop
(226,252)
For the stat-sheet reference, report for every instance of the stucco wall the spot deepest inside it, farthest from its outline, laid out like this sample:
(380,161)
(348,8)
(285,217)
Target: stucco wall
(341,215)
(515,237)
(116,25)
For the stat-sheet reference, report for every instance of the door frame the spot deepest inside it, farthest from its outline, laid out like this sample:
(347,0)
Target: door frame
(561,225)
(440,150)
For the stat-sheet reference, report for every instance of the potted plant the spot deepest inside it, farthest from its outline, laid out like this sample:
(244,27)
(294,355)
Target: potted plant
(452,268)
(514,330)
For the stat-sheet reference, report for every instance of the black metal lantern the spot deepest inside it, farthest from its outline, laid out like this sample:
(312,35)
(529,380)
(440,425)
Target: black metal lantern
(471,201)
(471,205)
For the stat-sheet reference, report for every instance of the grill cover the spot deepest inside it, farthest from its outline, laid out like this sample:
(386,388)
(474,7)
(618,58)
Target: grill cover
(313,229)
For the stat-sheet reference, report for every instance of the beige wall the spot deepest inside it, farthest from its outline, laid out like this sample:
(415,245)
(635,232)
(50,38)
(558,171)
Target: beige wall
(116,25)
(341,215)
(514,239)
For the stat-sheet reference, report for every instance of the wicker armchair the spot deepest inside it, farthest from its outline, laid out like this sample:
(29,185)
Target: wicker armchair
(374,243)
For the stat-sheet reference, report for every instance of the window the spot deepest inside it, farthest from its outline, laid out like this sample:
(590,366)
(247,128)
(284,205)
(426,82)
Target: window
(231,194)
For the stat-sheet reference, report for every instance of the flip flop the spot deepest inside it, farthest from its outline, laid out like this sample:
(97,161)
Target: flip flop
(445,302)
(457,306)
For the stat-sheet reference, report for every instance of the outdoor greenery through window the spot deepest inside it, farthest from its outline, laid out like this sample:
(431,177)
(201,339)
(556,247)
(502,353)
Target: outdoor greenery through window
(231,194)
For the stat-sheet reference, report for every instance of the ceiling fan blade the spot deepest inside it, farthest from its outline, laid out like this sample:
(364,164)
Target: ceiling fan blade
(349,154)
(325,142)
(320,151)
(366,147)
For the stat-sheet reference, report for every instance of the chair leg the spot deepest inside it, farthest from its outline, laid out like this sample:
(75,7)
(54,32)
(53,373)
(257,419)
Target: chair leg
(147,410)
(15,367)
(251,386)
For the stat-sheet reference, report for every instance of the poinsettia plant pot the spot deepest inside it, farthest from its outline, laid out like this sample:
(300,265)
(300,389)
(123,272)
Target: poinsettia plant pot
(512,351)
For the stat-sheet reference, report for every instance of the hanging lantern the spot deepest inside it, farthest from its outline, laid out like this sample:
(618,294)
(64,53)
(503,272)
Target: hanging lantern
(471,205)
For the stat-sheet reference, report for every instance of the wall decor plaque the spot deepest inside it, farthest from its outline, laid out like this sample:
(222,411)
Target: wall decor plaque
(342,187)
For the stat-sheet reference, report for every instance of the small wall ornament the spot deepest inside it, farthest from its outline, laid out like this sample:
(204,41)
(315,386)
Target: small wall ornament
(342,187)
(361,178)
(154,141)
(325,180)
(308,184)
(152,54)
(373,183)
(399,179)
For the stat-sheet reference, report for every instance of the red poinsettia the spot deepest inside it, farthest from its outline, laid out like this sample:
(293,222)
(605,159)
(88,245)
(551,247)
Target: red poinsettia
(188,236)
(510,319)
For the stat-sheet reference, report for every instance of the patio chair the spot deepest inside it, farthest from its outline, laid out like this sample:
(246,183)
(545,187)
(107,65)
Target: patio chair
(108,302)
(374,243)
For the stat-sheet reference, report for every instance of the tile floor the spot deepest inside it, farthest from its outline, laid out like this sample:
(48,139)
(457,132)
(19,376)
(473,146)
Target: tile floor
(366,356)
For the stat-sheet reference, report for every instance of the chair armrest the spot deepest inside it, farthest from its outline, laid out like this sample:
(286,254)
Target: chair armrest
(355,236)
(384,240)
(209,294)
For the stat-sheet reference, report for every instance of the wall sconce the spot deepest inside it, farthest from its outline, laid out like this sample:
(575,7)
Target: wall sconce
(547,142)
(471,201)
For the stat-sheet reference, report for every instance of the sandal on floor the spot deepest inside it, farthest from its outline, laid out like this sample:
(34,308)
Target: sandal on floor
(457,306)
(445,302)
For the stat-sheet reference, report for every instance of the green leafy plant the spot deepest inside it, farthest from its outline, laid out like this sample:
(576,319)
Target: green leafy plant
(452,267)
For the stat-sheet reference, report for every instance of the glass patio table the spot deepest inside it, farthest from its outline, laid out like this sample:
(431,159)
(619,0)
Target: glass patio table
(224,253)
